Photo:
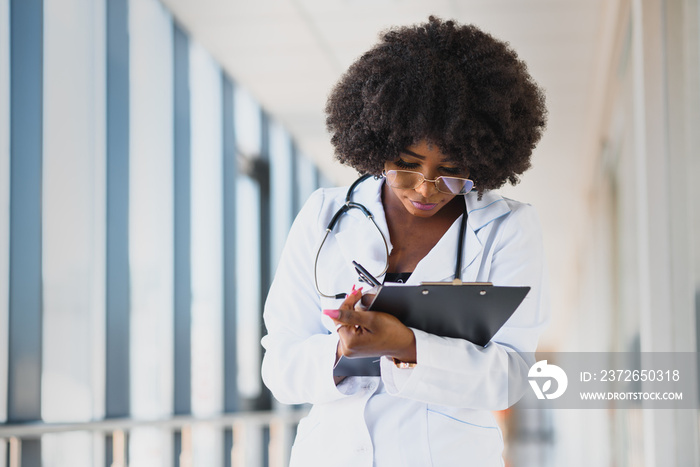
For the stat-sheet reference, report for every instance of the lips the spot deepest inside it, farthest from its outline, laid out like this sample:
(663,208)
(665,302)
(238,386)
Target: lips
(423,206)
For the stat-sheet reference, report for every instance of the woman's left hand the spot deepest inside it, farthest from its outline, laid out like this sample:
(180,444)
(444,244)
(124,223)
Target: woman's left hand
(371,333)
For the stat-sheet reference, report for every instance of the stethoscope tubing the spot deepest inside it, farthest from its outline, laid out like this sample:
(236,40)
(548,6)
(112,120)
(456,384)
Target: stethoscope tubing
(352,205)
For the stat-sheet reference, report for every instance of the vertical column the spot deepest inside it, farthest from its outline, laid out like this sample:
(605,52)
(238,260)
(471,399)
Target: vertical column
(294,168)
(26,140)
(262,176)
(248,245)
(229,174)
(182,400)
(4,203)
(73,214)
(642,197)
(151,227)
(653,171)
(117,375)
(281,189)
(117,282)
(25,287)
(682,92)
(247,120)
(693,109)
(282,202)
(659,134)
(182,220)
(206,252)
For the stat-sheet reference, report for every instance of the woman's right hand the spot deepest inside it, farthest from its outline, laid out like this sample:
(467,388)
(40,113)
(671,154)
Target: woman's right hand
(370,333)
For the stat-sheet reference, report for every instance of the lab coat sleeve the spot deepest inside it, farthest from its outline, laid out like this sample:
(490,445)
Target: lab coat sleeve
(299,351)
(458,373)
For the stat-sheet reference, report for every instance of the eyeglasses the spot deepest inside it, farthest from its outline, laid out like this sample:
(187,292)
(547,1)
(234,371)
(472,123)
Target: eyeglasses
(407,180)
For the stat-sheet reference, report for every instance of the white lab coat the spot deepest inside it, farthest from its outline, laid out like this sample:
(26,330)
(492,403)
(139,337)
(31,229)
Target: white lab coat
(438,413)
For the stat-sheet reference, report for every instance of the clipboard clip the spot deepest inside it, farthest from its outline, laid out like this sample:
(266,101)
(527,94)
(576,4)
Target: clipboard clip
(459,282)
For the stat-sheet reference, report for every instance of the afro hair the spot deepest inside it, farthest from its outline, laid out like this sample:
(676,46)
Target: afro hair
(453,85)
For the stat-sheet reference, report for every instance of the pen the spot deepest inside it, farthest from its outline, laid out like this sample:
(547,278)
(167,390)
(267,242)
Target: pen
(365,276)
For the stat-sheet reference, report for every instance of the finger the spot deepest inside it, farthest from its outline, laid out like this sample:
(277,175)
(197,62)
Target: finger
(334,315)
(352,298)
(354,318)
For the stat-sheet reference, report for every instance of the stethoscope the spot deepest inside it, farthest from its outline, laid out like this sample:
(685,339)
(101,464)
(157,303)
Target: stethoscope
(349,204)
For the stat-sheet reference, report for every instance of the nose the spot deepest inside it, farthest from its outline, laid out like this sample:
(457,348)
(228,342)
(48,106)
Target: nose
(427,188)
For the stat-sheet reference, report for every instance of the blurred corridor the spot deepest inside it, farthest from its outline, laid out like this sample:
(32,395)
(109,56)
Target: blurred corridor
(153,155)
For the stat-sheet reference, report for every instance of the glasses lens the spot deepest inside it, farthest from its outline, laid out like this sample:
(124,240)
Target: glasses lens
(403,178)
(454,186)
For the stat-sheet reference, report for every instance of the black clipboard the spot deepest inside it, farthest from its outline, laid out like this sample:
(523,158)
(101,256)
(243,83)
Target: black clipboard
(471,311)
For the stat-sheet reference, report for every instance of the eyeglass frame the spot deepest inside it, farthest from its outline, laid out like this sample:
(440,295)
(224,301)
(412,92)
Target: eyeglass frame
(384,174)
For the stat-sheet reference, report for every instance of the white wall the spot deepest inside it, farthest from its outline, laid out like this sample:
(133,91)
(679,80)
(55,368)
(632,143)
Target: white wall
(638,291)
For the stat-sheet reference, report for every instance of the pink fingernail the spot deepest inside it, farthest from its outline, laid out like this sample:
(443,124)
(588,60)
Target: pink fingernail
(353,288)
(333,314)
(357,291)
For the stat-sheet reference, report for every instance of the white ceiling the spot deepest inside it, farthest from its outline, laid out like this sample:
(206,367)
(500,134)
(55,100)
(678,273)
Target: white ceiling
(289,53)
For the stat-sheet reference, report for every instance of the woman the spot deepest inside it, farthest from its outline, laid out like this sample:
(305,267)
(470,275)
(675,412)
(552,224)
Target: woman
(426,111)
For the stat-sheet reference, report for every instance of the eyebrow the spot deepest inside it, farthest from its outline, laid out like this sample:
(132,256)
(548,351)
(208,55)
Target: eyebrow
(411,153)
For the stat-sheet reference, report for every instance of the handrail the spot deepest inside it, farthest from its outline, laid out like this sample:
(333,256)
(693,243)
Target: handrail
(31,430)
